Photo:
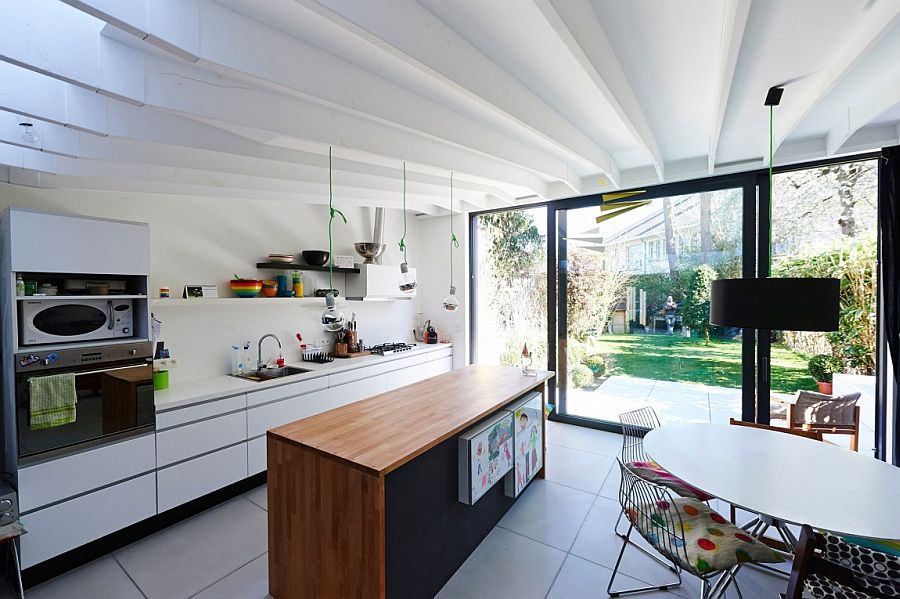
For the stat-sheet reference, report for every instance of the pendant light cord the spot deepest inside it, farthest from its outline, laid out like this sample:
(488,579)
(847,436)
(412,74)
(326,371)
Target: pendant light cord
(453,241)
(331,213)
(403,239)
(771,178)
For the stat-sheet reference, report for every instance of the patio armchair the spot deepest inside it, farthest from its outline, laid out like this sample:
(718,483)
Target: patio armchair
(635,425)
(686,536)
(826,414)
(834,567)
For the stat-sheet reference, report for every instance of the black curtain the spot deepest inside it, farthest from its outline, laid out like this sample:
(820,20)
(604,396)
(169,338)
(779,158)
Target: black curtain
(889,217)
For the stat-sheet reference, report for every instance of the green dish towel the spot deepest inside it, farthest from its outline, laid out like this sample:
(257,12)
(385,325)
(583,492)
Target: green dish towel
(52,400)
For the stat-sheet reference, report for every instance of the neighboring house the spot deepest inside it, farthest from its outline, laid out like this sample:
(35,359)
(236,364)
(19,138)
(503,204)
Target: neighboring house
(640,247)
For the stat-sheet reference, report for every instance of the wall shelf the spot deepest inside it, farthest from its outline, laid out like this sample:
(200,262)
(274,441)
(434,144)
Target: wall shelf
(52,298)
(234,301)
(295,266)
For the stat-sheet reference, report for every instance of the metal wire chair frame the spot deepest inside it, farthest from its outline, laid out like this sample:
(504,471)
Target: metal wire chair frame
(638,498)
(635,425)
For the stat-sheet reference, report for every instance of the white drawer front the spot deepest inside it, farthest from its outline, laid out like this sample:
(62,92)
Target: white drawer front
(272,415)
(284,391)
(185,442)
(359,373)
(256,455)
(188,480)
(70,475)
(441,353)
(73,523)
(215,407)
(358,390)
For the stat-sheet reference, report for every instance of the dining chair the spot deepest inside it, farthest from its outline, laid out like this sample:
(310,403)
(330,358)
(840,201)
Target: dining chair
(636,424)
(827,566)
(826,414)
(687,535)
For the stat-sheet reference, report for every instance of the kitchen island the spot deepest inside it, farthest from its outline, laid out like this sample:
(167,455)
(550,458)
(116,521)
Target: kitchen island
(363,499)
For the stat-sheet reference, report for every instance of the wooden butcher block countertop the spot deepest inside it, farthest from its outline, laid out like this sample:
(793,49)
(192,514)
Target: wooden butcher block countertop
(384,432)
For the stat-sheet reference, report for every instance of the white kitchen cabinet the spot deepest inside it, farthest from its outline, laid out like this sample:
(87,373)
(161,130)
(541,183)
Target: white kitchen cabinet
(284,391)
(64,477)
(190,440)
(271,415)
(358,374)
(342,395)
(201,411)
(188,480)
(256,455)
(419,372)
(73,523)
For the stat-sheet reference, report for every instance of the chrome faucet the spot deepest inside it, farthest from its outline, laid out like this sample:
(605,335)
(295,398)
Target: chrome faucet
(259,362)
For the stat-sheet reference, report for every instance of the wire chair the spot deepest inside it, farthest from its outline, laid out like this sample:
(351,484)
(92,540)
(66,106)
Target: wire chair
(635,425)
(650,510)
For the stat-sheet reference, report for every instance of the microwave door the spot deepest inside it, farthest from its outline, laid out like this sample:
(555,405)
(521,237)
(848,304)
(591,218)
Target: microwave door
(59,322)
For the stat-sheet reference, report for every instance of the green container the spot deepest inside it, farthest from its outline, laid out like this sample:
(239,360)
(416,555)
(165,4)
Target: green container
(161,380)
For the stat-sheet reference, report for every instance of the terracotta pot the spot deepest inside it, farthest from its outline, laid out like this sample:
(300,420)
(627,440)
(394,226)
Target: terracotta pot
(824,387)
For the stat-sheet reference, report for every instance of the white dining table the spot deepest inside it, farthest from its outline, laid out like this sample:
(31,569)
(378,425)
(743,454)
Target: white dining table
(786,477)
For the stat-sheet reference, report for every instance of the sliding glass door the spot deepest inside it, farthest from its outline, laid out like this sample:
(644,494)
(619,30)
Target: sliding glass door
(633,307)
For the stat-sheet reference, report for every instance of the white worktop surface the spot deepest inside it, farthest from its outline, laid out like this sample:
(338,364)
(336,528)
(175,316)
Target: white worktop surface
(179,395)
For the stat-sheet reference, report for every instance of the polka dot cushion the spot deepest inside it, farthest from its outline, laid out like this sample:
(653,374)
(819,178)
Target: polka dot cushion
(655,473)
(710,542)
(877,571)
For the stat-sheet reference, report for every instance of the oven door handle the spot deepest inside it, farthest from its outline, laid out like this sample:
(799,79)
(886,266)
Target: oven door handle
(109,308)
(101,371)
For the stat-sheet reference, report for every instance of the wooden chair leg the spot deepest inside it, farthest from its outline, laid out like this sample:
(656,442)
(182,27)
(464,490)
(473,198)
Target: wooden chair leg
(733,514)
(854,440)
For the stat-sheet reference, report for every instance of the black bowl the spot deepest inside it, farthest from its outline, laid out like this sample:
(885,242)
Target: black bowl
(315,257)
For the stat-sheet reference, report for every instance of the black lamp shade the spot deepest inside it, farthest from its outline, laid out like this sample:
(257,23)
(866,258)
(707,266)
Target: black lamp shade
(809,304)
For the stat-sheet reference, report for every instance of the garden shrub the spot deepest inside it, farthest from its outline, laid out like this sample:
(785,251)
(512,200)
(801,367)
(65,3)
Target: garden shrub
(823,366)
(695,310)
(597,364)
(580,376)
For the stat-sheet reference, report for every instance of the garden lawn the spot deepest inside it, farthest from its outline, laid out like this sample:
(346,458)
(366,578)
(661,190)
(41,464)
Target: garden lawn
(683,359)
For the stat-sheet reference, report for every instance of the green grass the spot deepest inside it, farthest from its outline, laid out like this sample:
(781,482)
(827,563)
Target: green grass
(681,359)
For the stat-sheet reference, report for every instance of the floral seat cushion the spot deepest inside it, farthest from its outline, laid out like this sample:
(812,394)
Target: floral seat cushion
(653,472)
(704,541)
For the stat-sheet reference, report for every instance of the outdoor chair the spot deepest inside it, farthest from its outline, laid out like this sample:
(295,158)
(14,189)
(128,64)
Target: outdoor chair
(827,566)
(687,535)
(826,414)
(635,425)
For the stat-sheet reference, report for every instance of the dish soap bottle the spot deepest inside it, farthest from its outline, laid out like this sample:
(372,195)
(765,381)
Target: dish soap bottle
(237,366)
(20,285)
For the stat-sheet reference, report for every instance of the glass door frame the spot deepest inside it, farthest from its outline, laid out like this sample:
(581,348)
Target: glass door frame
(557,273)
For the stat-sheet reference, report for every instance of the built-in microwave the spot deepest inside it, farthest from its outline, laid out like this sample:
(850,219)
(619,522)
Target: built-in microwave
(61,320)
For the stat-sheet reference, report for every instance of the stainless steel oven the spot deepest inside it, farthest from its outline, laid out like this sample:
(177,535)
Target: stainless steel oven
(63,320)
(113,391)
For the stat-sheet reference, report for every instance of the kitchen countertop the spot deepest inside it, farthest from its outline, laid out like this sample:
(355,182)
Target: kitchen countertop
(380,434)
(180,395)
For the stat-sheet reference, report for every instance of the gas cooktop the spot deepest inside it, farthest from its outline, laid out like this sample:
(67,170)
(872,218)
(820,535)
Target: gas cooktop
(384,349)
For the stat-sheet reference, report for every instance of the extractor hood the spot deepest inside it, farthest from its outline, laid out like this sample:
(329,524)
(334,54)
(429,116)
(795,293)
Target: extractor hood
(377,282)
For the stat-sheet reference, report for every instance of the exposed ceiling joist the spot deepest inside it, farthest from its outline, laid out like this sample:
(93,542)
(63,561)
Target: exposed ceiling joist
(590,47)
(858,115)
(884,18)
(734,24)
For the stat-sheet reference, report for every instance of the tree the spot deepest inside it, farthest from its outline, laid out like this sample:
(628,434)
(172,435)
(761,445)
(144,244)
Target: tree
(669,227)
(706,238)
(695,310)
(591,293)
(516,246)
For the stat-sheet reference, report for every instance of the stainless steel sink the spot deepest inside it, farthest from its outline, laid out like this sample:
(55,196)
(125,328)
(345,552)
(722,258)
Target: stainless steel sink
(267,374)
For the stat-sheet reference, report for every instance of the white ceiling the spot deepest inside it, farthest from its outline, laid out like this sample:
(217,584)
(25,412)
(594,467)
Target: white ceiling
(522,99)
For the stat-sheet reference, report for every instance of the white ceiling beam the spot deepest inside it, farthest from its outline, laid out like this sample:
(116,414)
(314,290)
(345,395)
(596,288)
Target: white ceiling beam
(882,18)
(50,137)
(230,42)
(461,70)
(590,47)
(860,114)
(734,25)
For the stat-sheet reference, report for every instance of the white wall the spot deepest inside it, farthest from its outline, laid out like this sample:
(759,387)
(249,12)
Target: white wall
(199,240)
(434,281)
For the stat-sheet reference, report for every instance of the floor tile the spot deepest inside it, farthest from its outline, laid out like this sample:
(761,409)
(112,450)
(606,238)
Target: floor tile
(585,439)
(576,468)
(249,582)
(505,564)
(259,496)
(549,513)
(581,578)
(186,558)
(100,579)
(610,488)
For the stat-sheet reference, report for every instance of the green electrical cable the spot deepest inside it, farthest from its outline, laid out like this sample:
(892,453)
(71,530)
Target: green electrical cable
(403,239)
(453,241)
(771,179)
(331,213)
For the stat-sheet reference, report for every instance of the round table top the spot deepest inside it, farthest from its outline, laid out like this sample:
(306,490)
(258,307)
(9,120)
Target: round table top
(794,479)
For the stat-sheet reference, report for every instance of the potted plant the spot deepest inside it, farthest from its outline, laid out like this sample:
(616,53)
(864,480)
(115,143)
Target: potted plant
(822,368)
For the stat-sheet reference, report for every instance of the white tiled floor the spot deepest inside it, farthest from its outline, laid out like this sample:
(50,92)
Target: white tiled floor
(556,543)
